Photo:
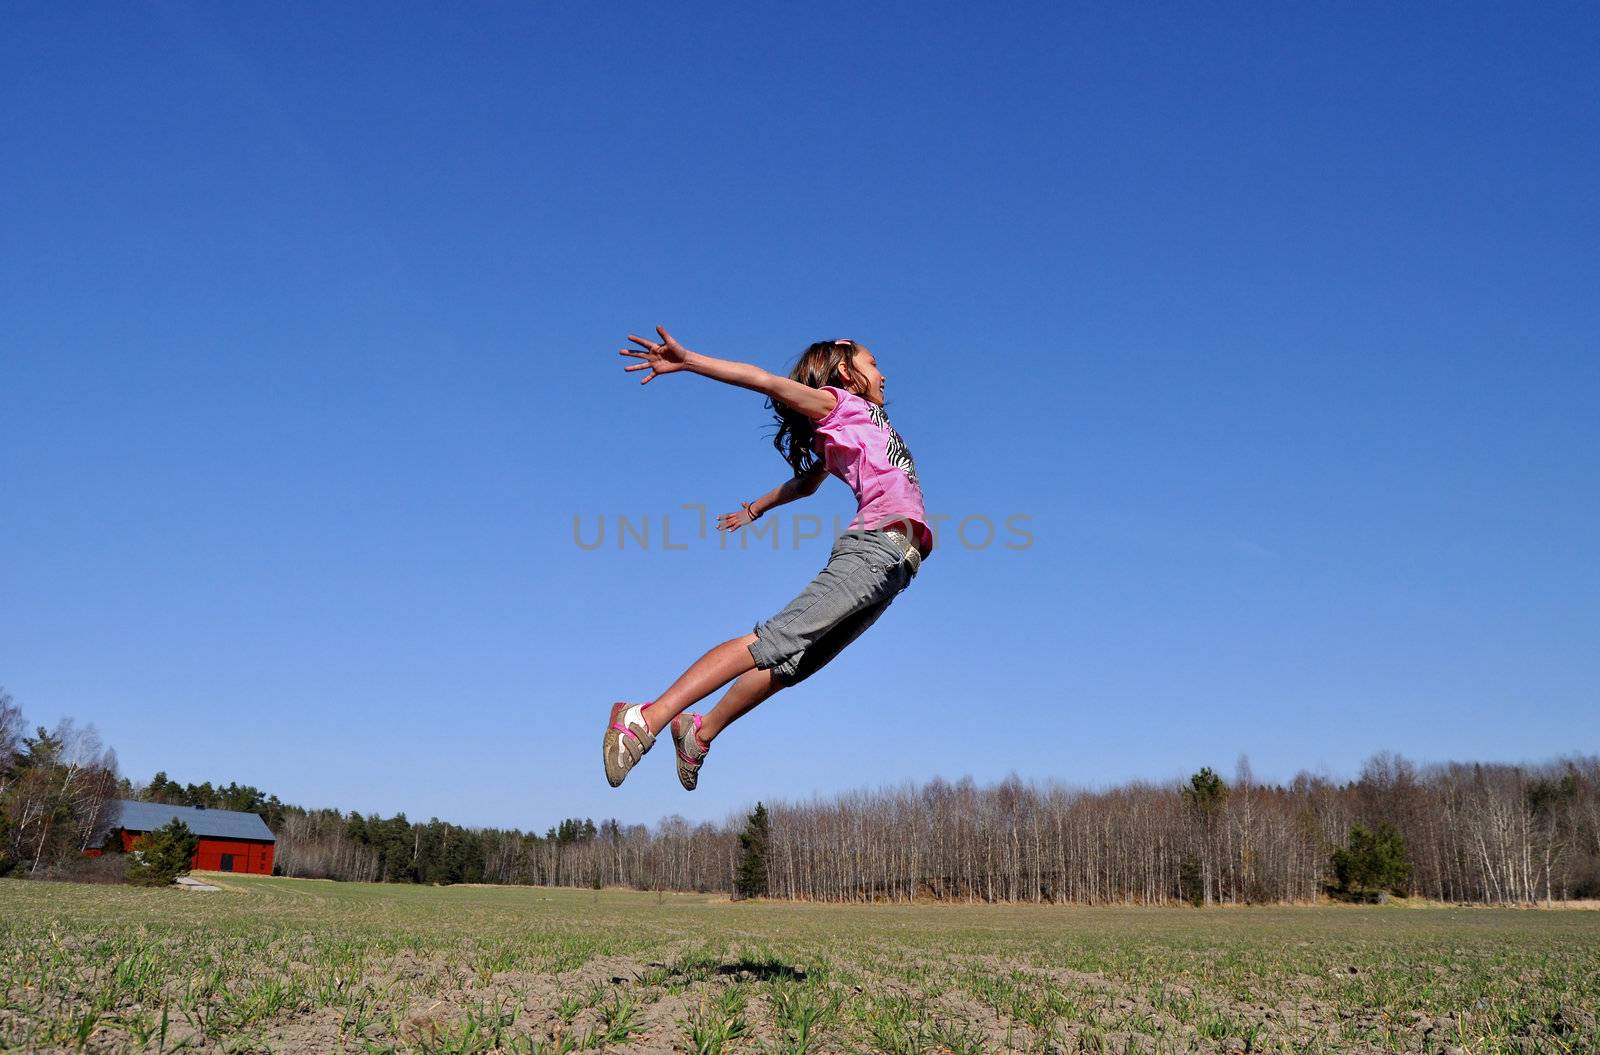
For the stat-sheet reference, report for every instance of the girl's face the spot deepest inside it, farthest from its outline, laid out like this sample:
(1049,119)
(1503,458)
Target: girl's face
(863,375)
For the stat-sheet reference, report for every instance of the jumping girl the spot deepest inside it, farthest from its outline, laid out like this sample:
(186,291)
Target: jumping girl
(830,420)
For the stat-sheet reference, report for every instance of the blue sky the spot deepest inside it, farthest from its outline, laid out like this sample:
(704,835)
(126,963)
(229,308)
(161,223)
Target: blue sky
(1280,325)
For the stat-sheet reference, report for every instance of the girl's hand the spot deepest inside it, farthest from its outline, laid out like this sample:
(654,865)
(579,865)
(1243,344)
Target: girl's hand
(735,521)
(665,358)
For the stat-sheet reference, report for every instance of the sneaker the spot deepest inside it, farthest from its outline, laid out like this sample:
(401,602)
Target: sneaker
(627,739)
(691,749)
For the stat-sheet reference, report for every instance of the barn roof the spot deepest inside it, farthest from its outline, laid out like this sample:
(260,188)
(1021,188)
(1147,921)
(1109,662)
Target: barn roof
(216,824)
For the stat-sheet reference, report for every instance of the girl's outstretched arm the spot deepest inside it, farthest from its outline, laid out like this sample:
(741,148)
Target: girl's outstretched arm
(669,357)
(794,487)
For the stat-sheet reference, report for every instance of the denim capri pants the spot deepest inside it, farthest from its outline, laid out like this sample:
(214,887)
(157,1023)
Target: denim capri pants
(864,573)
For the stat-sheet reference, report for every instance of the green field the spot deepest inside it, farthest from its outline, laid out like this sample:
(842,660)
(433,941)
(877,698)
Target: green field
(300,966)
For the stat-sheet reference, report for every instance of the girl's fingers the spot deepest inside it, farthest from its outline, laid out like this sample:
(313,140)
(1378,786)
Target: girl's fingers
(637,366)
(649,346)
(666,338)
(636,353)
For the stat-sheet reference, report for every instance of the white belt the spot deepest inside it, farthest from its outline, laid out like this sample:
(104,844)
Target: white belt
(909,548)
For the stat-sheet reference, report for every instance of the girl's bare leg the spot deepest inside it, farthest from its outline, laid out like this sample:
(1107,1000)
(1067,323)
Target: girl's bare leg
(749,689)
(706,675)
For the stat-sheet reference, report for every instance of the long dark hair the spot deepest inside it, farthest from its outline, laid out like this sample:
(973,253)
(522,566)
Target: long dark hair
(818,365)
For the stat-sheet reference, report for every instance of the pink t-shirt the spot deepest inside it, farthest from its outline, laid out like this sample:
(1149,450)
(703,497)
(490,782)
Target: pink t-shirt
(860,447)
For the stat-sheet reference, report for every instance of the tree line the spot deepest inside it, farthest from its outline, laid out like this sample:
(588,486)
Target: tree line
(1455,831)
(1460,832)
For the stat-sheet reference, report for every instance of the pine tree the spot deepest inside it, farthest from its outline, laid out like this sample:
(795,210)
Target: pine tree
(161,856)
(751,879)
(1374,861)
(1204,797)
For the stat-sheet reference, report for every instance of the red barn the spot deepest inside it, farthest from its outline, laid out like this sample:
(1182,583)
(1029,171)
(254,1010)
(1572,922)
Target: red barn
(229,841)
